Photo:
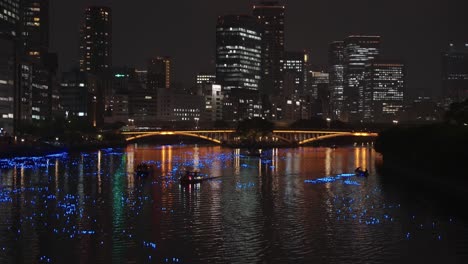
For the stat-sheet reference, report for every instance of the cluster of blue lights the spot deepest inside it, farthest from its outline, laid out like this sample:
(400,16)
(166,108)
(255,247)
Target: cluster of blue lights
(330,179)
(172,260)
(52,209)
(44,259)
(244,186)
(149,244)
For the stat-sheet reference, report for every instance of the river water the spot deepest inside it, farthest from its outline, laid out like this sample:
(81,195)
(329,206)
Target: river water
(90,208)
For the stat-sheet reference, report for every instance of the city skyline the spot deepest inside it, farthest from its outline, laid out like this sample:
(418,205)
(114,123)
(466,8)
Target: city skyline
(416,35)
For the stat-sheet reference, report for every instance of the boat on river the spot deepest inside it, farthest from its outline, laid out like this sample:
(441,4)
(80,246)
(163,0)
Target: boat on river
(191,177)
(361,173)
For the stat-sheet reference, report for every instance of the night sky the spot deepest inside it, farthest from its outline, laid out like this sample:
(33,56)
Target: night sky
(413,30)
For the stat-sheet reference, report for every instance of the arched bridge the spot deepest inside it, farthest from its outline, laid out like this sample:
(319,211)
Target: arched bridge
(299,137)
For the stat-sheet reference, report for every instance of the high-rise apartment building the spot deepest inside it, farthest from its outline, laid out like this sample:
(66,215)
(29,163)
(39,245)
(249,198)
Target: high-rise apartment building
(384,87)
(358,51)
(159,73)
(455,73)
(96,40)
(238,65)
(271,15)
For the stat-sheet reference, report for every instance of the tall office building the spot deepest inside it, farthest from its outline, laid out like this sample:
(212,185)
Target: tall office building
(294,64)
(238,65)
(40,97)
(7,86)
(358,51)
(238,52)
(96,40)
(9,17)
(35,31)
(455,73)
(271,16)
(336,77)
(9,23)
(159,73)
(384,87)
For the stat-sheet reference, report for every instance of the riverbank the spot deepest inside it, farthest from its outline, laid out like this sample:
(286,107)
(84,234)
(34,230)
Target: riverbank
(12,151)
(429,158)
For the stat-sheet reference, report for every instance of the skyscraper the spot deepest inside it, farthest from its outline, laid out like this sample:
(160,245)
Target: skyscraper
(455,73)
(35,44)
(96,40)
(9,106)
(9,17)
(336,77)
(294,65)
(238,64)
(358,51)
(35,31)
(384,87)
(271,16)
(159,73)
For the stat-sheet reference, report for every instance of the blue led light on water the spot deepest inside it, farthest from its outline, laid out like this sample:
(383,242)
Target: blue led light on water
(348,182)
(149,244)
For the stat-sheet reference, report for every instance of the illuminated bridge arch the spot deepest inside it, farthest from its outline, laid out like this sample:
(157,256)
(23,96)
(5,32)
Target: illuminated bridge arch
(301,137)
(215,136)
(345,134)
(298,137)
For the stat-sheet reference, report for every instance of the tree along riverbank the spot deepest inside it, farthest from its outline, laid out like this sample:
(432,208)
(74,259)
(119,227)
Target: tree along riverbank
(432,157)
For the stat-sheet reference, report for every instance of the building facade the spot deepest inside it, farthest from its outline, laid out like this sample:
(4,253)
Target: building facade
(7,85)
(271,16)
(175,107)
(213,95)
(238,65)
(35,30)
(9,25)
(159,73)
(455,74)
(96,40)
(78,96)
(358,51)
(384,88)
(9,17)
(336,78)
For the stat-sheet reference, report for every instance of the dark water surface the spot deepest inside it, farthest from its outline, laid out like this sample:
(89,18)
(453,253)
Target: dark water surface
(90,208)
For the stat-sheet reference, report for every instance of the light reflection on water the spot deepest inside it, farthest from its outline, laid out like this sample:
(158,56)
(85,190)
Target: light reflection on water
(90,208)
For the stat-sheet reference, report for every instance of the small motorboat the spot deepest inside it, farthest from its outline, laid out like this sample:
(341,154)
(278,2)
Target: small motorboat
(361,173)
(191,177)
(143,170)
